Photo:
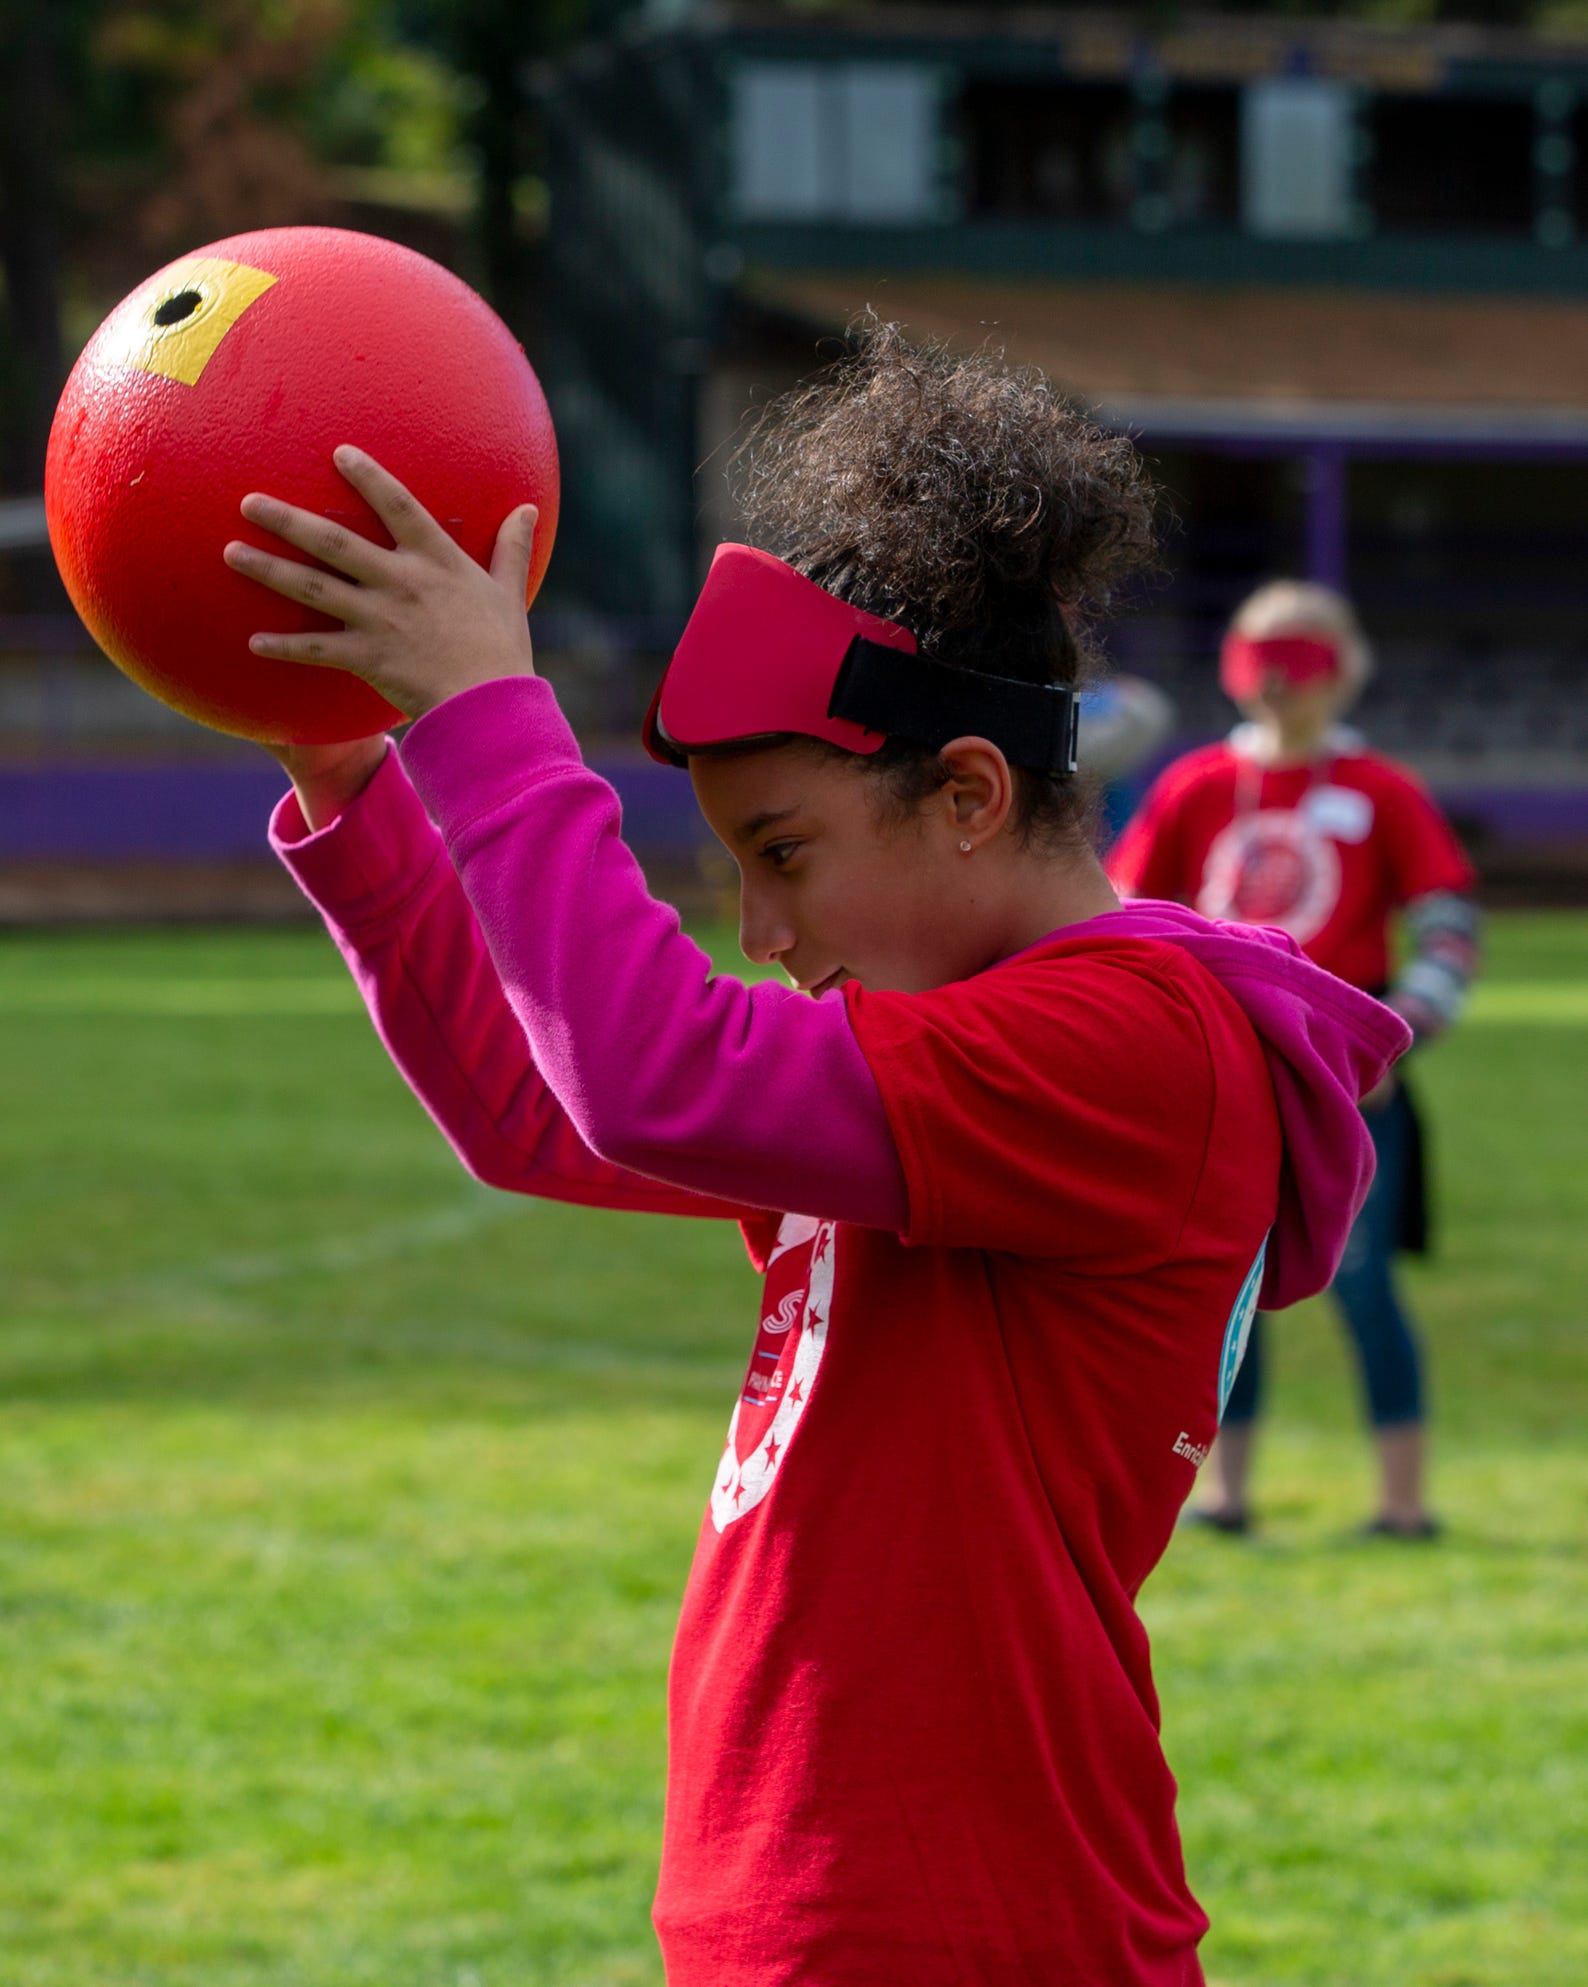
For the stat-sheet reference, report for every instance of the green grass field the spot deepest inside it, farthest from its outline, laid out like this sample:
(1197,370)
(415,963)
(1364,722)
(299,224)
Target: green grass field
(346,1508)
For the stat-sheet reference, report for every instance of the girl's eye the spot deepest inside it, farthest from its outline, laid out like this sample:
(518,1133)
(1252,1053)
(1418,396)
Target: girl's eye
(778,853)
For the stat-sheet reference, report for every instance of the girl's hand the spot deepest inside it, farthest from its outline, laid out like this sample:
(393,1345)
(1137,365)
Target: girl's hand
(420,622)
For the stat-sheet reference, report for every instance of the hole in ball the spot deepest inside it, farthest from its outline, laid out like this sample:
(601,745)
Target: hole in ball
(182,305)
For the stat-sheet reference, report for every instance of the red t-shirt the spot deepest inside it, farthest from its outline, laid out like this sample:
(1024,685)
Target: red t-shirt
(914,1735)
(1326,851)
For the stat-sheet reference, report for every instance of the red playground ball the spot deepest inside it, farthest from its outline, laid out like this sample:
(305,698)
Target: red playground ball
(241,367)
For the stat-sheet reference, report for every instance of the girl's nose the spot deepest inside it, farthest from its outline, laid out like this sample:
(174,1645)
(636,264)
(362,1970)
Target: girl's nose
(763,936)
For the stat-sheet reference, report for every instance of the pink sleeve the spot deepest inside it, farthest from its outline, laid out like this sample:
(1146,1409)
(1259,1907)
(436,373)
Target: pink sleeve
(390,899)
(756,1094)
(750,1096)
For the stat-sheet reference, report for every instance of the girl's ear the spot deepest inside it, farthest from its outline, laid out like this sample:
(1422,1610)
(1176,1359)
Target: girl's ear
(979,793)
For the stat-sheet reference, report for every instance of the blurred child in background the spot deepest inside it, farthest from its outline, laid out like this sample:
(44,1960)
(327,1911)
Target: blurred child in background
(1291,821)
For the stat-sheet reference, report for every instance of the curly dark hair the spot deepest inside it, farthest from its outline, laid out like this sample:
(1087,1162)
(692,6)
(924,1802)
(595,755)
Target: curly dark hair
(966,499)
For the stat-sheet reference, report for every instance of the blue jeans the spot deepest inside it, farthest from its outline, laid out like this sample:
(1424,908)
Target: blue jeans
(1365,1291)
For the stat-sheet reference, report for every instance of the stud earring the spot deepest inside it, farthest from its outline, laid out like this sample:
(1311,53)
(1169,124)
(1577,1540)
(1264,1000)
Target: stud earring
(964,848)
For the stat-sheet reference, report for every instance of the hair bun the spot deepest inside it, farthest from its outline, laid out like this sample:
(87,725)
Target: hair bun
(957,494)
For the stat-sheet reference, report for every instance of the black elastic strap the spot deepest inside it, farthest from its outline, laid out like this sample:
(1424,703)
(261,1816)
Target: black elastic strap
(910,696)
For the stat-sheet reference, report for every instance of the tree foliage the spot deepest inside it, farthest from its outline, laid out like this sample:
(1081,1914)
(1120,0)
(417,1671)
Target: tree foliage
(131,129)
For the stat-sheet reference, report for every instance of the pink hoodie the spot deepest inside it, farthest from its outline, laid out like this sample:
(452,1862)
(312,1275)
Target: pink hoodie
(570,1041)
(1326,1044)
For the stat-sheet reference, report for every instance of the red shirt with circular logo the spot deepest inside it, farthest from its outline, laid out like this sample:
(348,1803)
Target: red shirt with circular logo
(913,1731)
(1325,851)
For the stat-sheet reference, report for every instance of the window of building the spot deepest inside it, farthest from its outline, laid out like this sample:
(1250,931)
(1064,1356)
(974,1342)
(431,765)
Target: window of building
(1297,136)
(1052,149)
(1451,164)
(834,141)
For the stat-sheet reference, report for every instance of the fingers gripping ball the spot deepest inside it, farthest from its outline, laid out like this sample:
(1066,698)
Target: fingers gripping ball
(241,367)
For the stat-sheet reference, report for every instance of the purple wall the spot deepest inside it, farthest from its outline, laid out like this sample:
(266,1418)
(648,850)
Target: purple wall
(207,811)
(199,811)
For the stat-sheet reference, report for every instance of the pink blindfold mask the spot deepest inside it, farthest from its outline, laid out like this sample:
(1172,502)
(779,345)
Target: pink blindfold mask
(768,652)
(1243,662)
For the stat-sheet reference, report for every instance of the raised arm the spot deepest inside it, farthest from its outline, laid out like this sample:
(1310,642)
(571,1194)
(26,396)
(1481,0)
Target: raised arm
(376,869)
(576,1045)
(665,1069)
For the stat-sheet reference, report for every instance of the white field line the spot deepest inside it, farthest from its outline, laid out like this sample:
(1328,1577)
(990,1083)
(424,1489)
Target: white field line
(482,1208)
(208,1275)
(416,1236)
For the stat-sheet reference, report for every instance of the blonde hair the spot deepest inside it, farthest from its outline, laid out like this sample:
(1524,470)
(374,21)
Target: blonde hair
(1302,607)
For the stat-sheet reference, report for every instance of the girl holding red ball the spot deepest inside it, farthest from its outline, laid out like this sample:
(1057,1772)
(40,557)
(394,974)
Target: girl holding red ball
(1292,822)
(1013,1177)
